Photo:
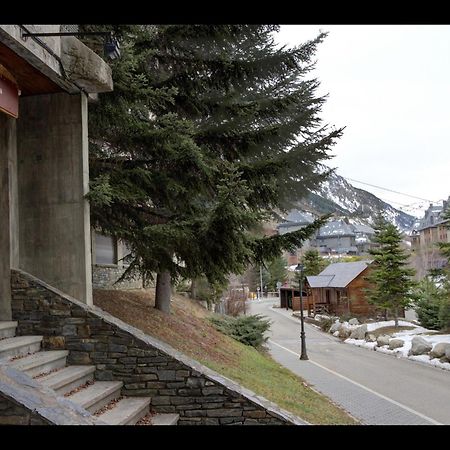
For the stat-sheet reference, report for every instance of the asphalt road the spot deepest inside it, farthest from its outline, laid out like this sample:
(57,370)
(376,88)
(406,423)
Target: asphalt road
(376,388)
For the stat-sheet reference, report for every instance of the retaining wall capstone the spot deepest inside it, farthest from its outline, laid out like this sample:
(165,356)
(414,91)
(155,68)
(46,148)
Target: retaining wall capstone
(148,367)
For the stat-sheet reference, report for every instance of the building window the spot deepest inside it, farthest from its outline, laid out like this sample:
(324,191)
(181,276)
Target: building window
(105,249)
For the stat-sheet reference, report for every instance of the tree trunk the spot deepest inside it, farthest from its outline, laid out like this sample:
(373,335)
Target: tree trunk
(194,288)
(396,317)
(163,291)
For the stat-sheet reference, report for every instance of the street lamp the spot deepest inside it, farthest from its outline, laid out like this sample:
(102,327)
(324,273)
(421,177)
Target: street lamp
(299,270)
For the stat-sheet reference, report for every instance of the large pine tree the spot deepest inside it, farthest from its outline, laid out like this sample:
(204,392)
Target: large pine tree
(390,278)
(209,129)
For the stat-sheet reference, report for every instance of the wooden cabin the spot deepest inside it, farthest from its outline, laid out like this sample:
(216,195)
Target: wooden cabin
(339,289)
(290,297)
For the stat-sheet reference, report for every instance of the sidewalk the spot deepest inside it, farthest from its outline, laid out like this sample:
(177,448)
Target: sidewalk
(366,405)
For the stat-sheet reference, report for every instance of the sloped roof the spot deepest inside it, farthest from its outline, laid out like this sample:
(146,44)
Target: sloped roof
(319,280)
(336,228)
(338,275)
(297,217)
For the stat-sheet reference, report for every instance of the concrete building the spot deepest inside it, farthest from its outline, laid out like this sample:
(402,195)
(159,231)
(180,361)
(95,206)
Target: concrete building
(432,229)
(294,221)
(336,237)
(45,85)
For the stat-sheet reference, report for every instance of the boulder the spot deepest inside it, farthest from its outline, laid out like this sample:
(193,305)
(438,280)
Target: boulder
(383,340)
(370,337)
(439,350)
(320,317)
(419,346)
(345,331)
(336,333)
(447,353)
(335,327)
(396,343)
(359,333)
(353,321)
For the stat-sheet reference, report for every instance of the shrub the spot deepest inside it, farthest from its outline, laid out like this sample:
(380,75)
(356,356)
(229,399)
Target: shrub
(246,329)
(432,305)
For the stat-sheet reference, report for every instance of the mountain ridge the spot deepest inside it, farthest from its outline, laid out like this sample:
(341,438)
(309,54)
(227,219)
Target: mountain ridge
(336,195)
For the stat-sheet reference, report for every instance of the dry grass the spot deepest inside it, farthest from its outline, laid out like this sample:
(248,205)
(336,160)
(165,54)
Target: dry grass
(390,330)
(187,329)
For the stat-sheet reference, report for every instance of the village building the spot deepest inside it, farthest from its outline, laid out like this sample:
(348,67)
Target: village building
(338,237)
(337,290)
(431,230)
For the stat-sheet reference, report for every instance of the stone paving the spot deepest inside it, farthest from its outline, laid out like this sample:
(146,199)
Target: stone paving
(367,406)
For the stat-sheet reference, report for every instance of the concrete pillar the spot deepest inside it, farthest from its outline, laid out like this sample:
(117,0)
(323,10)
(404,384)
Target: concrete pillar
(8,211)
(53,174)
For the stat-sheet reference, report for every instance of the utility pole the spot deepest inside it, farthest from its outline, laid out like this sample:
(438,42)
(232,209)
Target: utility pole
(260,280)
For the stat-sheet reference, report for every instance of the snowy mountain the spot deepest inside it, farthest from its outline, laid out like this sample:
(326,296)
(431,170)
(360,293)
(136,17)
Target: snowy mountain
(338,196)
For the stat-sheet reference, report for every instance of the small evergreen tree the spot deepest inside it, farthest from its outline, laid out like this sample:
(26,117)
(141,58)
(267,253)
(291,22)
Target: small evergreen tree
(276,272)
(428,303)
(390,279)
(313,262)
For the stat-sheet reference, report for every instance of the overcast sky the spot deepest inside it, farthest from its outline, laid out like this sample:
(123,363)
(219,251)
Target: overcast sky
(389,85)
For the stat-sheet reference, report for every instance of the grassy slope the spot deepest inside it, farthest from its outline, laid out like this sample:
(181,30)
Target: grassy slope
(188,330)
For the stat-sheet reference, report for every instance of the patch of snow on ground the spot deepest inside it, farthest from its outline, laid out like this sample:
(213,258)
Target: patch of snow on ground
(389,323)
(407,336)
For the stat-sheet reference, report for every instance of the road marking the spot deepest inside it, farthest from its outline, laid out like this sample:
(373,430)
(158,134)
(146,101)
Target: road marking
(362,386)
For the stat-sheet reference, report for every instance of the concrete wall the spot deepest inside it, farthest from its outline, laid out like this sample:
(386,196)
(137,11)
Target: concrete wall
(53,178)
(8,210)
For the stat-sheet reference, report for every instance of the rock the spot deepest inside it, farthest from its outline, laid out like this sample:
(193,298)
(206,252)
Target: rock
(419,346)
(439,350)
(335,327)
(353,321)
(345,331)
(447,354)
(396,343)
(321,317)
(336,333)
(370,337)
(359,333)
(383,340)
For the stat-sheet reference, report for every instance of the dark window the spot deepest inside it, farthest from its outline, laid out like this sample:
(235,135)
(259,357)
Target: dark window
(105,249)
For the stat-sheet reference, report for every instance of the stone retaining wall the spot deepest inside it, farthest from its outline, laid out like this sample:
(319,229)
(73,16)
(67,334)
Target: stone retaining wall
(12,413)
(148,367)
(104,277)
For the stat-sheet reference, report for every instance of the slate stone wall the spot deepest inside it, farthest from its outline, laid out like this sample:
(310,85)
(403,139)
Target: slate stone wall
(148,367)
(104,277)
(12,413)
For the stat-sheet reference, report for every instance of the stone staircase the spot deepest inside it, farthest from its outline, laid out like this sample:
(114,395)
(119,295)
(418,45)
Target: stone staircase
(76,383)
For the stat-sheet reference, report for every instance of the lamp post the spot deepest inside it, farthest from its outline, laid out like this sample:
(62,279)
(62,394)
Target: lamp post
(299,270)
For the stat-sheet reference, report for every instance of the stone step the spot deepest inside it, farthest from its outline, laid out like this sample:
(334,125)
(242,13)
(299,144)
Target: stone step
(97,395)
(67,379)
(165,419)
(7,329)
(19,346)
(41,362)
(127,411)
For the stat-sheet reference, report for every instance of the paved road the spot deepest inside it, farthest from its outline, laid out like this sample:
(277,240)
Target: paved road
(376,388)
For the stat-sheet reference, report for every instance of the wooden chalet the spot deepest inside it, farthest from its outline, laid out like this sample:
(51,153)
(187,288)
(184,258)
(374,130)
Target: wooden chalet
(337,290)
